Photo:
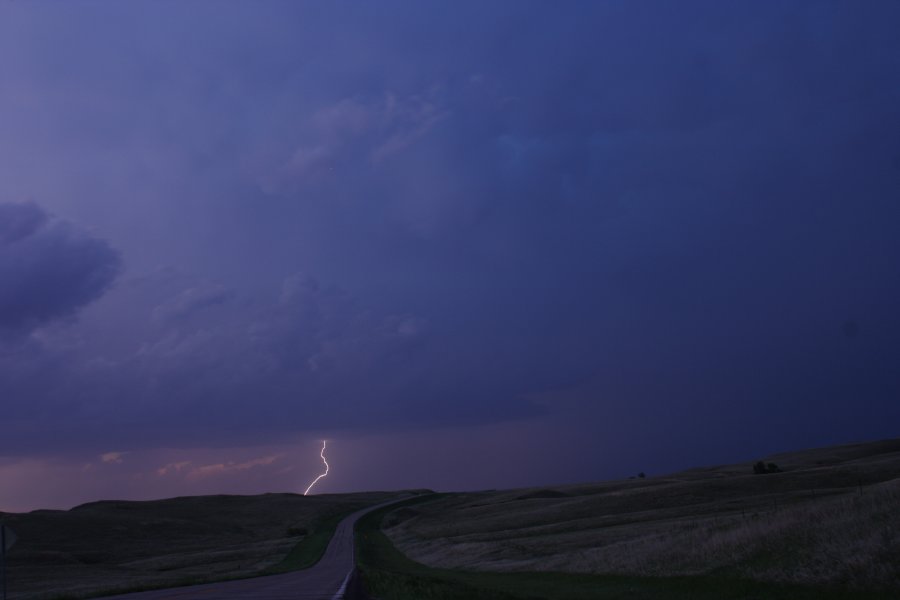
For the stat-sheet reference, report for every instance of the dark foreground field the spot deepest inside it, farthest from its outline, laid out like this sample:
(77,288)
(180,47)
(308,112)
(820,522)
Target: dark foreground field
(826,527)
(103,547)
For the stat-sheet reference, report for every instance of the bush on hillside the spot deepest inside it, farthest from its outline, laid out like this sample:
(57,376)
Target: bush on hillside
(761,468)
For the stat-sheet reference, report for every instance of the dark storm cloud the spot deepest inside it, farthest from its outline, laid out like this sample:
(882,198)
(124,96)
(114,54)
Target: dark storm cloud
(19,220)
(309,357)
(673,211)
(48,268)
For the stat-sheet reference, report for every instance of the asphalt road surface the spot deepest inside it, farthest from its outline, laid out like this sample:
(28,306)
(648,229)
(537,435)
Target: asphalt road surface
(323,581)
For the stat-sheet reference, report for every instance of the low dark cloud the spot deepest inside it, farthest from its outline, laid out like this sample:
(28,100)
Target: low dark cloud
(203,360)
(49,268)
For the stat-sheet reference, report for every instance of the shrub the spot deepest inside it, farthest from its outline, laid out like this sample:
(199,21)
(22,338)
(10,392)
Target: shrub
(761,468)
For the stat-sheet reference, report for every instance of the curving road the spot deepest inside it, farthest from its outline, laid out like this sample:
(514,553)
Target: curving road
(325,580)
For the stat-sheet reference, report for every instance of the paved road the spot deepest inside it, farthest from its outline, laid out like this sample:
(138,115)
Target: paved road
(324,581)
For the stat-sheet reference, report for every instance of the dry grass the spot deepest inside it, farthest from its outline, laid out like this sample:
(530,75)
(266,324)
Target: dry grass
(831,519)
(105,546)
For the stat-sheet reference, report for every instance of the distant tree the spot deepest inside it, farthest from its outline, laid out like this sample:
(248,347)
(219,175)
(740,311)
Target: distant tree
(642,475)
(761,468)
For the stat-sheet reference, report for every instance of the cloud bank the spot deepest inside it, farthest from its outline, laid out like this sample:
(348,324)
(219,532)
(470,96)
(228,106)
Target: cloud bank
(49,269)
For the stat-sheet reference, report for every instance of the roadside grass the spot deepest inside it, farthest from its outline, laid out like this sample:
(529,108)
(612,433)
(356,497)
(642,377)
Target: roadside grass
(149,587)
(389,575)
(308,551)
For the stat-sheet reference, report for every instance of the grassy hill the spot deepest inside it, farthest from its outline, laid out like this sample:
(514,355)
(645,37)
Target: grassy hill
(831,518)
(116,545)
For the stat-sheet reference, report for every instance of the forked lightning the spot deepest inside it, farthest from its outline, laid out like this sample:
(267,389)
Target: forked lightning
(316,480)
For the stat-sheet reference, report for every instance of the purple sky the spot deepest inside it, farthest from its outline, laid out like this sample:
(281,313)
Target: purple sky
(474,245)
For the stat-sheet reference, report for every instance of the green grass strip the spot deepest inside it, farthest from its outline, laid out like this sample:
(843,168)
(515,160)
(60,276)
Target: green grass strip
(311,548)
(390,575)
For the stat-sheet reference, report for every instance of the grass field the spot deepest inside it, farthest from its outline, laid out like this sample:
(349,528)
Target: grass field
(828,526)
(112,546)
(390,575)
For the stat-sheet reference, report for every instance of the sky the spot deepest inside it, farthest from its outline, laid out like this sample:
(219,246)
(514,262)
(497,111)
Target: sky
(473,244)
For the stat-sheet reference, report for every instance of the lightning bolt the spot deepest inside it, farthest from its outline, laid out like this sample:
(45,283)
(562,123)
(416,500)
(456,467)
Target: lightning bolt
(316,480)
